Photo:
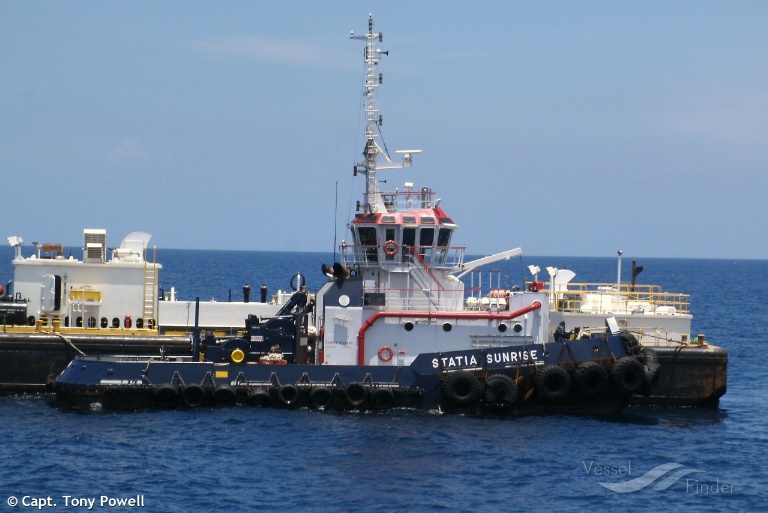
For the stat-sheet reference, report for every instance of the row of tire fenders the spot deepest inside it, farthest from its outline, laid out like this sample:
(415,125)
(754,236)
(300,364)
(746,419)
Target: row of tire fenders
(355,395)
(589,381)
(461,389)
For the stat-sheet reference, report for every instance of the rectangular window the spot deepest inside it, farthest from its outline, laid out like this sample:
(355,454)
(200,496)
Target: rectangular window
(443,242)
(426,241)
(409,240)
(368,243)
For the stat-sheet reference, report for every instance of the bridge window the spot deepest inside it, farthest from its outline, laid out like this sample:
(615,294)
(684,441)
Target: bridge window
(367,238)
(426,241)
(443,242)
(409,239)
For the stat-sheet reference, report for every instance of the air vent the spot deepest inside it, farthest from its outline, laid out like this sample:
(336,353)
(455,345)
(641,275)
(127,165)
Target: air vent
(95,246)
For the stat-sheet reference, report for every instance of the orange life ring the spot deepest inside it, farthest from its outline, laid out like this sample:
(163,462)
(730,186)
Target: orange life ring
(390,247)
(386,353)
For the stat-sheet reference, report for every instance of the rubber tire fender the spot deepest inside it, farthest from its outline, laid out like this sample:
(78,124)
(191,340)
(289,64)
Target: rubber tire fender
(224,395)
(321,397)
(631,343)
(259,397)
(193,396)
(356,394)
(288,395)
(591,379)
(652,373)
(628,374)
(461,388)
(500,389)
(167,396)
(648,355)
(552,381)
(651,378)
(383,399)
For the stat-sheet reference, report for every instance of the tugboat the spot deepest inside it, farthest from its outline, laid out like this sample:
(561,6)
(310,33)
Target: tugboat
(389,329)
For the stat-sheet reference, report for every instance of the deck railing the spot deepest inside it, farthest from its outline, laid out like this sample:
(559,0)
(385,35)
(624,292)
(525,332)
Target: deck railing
(607,297)
(374,255)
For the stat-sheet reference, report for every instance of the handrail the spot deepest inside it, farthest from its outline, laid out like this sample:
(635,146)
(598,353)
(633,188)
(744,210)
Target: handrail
(434,315)
(372,255)
(423,265)
(576,297)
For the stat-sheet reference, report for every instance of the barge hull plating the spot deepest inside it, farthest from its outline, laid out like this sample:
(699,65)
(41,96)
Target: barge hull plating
(689,376)
(29,362)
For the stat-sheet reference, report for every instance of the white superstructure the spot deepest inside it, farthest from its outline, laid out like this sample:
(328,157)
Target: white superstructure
(111,290)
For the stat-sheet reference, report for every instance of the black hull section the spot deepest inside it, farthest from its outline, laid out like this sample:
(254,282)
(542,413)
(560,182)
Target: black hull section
(581,376)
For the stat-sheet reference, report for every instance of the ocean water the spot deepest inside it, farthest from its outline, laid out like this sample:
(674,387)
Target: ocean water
(242,459)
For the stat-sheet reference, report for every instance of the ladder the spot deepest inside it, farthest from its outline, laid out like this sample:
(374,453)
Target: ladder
(150,281)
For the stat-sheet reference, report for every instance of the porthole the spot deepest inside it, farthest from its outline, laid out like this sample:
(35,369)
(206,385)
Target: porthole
(447,327)
(502,327)
(408,325)
(518,328)
(104,322)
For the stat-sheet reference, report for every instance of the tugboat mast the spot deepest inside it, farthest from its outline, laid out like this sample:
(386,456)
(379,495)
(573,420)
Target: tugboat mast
(374,203)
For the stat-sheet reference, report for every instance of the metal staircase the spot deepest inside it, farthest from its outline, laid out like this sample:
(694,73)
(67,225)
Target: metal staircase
(426,279)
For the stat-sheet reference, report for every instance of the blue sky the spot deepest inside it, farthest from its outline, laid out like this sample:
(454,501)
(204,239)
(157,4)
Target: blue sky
(566,128)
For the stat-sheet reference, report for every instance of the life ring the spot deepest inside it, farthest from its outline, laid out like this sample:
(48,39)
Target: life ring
(193,395)
(591,379)
(356,394)
(383,399)
(500,391)
(224,395)
(628,374)
(390,247)
(167,396)
(461,388)
(386,353)
(288,395)
(552,381)
(260,397)
(321,398)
